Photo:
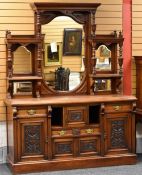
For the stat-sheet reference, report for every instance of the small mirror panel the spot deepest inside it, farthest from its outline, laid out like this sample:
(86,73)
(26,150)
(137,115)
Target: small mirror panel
(22,63)
(103,55)
(102,85)
(24,87)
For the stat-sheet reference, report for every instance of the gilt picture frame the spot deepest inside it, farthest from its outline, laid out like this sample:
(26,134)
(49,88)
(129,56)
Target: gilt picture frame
(72,41)
(53,58)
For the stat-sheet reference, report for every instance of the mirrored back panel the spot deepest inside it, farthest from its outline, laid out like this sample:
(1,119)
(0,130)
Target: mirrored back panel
(63,66)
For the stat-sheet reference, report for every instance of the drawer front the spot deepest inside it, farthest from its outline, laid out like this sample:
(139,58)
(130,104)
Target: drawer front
(62,148)
(76,132)
(90,131)
(118,107)
(31,111)
(89,146)
(75,116)
(62,133)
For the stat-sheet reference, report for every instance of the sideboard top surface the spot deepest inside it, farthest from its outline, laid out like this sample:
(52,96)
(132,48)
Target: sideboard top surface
(82,99)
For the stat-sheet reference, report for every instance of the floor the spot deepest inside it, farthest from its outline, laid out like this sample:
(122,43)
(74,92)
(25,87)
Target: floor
(113,170)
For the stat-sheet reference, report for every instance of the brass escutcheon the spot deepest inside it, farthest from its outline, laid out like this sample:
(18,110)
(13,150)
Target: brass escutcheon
(89,131)
(31,112)
(116,108)
(61,133)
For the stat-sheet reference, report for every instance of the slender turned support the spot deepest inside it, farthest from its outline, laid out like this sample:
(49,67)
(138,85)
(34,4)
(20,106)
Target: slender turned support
(38,89)
(49,133)
(93,28)
(120,62)
(120,59)
(38,25)
(39,59)
(10,90)
(9,61)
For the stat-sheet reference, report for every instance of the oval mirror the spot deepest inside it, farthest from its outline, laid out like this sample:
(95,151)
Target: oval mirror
(63,68)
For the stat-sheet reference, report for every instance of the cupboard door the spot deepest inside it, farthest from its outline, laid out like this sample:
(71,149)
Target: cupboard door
(32,134)
(118,133)
(75,116)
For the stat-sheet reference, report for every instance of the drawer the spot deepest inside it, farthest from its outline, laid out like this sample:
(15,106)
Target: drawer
(90,131)
(89,146)
(62,148)
(118,107)
(62,133)
(76,132)
(31,111)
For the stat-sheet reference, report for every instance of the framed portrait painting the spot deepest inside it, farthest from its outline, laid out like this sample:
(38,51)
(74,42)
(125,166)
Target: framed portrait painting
(53,58)
(72,43)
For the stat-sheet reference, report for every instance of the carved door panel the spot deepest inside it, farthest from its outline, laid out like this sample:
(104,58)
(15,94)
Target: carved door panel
(118,133)
(63,147)
(89,146)
(32,134)
(75,116)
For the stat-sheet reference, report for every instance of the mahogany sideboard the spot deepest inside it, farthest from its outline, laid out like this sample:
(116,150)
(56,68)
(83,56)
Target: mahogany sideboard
(51,128)
(67,132)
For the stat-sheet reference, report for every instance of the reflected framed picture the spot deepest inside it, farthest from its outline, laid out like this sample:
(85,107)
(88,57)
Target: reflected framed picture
(53,58)
(72,43)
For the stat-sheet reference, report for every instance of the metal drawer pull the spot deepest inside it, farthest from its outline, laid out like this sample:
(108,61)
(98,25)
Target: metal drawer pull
(31,112)
(61,133)
(89,131)
(116,108)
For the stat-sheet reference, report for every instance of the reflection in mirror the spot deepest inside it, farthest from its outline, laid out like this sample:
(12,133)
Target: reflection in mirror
(103,55)
(24,87)
(62,72)
(22,61)
(102,85)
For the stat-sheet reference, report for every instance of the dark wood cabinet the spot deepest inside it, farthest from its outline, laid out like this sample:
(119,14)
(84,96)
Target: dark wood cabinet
(89,126)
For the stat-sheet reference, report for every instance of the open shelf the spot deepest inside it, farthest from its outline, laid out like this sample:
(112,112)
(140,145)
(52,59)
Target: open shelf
(24,78)
(105,76)
(94,114)
(57,116)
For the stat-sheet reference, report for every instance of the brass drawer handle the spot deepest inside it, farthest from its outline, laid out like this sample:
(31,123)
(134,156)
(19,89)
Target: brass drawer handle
(31,112)
(89,131)
(116,108)
(61,133)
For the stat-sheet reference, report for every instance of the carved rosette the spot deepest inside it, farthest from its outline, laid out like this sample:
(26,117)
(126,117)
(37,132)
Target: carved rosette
(76,132)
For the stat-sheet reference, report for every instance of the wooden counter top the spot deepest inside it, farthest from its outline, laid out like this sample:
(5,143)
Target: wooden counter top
(78,99)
